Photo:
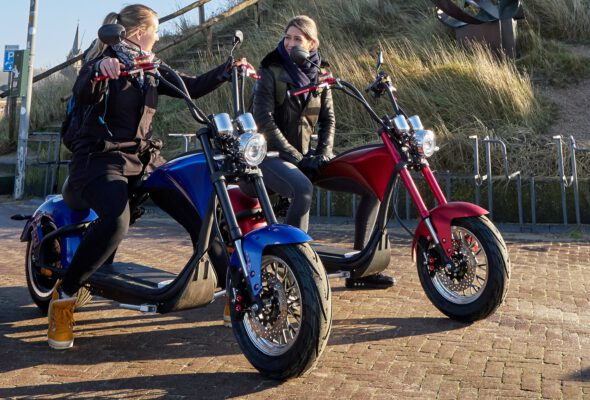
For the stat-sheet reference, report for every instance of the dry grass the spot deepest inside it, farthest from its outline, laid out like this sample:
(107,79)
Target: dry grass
(458,92)
(560,19)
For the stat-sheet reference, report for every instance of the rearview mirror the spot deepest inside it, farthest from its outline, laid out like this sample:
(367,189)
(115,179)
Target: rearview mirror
(238,38)
(111,34)
(379,60)
(299,55)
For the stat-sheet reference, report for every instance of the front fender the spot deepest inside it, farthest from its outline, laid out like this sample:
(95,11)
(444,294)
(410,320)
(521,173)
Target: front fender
(441,218)
(254,243)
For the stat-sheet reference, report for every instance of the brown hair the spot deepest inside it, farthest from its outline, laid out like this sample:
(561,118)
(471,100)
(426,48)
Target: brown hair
(133,17)
(307,26)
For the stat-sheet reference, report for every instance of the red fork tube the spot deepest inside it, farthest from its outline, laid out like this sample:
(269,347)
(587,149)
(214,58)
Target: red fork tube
(406,178)
(434,186)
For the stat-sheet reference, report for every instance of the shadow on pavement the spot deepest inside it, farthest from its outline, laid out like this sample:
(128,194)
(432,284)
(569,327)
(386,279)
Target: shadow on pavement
(176,336)
(192,385)
(346,331)
(582,376)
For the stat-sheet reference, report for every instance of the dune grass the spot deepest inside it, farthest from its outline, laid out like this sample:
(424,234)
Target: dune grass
(457,91)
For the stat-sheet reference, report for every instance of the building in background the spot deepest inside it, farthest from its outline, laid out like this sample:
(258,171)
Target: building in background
(74,69)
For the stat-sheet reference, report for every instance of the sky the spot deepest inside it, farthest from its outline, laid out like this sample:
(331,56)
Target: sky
(57,19)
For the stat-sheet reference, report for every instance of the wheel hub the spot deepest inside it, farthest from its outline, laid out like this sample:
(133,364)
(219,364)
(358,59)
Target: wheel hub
(270,321)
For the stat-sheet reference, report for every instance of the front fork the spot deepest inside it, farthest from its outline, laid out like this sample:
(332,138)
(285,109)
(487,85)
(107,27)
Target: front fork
(436,223)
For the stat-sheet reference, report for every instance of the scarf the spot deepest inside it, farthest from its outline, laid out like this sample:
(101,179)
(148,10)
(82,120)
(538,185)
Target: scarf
(127,56)
(302,75)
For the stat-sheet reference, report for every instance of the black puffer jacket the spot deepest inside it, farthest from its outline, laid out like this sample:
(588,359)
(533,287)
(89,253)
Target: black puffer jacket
(123,144)
(288,125)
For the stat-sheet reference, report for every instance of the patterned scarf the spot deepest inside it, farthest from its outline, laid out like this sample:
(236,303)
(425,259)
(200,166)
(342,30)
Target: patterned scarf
(127,56)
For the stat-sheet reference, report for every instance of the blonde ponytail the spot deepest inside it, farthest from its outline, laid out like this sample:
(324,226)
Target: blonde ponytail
(133,18)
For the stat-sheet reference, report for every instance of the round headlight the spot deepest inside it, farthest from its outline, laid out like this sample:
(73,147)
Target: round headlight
(252,148)
(425,142)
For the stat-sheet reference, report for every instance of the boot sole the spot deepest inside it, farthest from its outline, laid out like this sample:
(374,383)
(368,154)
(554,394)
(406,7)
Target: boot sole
(54,344)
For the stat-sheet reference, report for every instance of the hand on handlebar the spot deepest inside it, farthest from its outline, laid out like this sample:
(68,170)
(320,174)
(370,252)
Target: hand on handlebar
(110,67)
(245,68)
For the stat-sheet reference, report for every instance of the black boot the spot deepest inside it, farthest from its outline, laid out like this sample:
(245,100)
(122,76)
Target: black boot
(377,281)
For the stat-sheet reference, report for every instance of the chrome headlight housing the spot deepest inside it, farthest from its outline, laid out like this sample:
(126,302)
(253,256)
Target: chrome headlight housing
(252,148)
(245,123)
(425,142)
(223,125)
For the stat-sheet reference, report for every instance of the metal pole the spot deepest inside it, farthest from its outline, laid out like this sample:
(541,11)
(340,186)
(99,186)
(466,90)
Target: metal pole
(476,176)
(533,202)
(489,177)
(318,202)
(575,181)
(448,185)
(23,129)
(561,176)
(520,207)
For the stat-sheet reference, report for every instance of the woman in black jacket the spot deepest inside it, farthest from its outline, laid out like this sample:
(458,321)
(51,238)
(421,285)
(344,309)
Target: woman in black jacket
(112,145)
(288,123)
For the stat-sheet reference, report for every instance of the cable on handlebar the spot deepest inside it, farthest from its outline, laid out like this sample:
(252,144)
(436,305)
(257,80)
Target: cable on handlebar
(183,92)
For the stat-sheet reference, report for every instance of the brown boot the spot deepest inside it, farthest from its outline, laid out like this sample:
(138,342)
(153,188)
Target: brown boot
(60,333)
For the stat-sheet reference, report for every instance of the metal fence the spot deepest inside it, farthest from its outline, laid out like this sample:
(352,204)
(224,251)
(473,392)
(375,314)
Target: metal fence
(526,202)
(510,190)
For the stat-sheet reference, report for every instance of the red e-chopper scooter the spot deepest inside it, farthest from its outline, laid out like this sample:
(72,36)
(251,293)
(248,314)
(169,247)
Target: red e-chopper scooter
(461,257)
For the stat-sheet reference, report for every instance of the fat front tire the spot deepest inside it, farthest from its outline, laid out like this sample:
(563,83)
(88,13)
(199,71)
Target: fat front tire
(40,286)
(286,338)
(481,284)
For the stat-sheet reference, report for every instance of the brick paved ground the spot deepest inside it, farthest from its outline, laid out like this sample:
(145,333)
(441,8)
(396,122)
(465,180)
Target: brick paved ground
(384,344)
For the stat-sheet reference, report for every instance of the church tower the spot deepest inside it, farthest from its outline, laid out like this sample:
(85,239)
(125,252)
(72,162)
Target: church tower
(73,69)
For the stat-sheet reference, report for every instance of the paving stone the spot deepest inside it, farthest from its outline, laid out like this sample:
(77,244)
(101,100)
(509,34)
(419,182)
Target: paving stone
(385,344)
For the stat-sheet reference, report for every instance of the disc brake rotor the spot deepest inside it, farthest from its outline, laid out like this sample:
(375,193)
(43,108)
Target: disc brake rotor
(274,327)
(466,284)
(272,319)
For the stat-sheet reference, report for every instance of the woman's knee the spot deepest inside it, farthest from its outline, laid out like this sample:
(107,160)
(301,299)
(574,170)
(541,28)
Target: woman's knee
(304,193)
(115,225)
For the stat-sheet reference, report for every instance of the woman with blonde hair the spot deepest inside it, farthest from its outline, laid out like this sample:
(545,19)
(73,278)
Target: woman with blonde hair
(288,124)
(110,136)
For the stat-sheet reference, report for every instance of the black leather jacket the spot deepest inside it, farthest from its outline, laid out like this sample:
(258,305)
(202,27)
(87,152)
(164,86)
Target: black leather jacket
(123,144)
(288,125)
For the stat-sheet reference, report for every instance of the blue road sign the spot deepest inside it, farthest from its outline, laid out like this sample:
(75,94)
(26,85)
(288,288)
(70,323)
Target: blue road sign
(9,51)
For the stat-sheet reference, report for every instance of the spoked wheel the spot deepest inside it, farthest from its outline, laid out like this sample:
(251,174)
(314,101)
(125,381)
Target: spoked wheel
(41,286)
(285,337)
(477,282)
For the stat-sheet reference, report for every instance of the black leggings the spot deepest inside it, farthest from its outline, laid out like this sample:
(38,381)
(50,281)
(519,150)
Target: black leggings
(108,196)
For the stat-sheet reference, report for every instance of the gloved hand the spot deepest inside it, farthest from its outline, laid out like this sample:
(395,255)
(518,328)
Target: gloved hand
(313,164)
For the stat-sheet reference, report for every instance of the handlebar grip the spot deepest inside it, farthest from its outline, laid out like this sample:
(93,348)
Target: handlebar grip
(105,77)
(298,91)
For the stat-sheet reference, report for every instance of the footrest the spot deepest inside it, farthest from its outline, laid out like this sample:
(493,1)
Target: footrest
(334,251)
(135,274)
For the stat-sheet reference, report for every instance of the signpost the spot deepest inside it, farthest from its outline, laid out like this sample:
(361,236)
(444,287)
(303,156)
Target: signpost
(9,51)
(11,102)
(23,126)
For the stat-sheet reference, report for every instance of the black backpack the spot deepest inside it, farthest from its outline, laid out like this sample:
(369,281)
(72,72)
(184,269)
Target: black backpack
(73,121)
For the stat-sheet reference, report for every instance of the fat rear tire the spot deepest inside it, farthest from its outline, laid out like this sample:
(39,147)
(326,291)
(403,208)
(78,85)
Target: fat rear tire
(41,287)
